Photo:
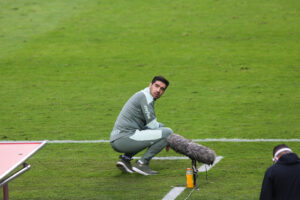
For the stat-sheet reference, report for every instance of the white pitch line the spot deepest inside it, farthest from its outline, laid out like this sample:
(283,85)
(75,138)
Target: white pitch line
(77,141)
(206,167)
(175,192)
(167,158)
(195,140)
(245,140)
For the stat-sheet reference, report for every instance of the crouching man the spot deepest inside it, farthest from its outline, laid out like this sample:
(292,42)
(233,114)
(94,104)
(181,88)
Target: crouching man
(136,129)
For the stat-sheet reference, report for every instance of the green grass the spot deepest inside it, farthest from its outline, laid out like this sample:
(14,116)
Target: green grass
(87,171)
(67,67)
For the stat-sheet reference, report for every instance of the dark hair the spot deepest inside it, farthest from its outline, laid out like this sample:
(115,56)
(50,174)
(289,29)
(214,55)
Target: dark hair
(280,146)
(162,79)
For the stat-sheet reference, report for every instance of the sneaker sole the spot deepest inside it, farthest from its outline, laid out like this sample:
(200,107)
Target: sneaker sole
(140,171)
(123,167)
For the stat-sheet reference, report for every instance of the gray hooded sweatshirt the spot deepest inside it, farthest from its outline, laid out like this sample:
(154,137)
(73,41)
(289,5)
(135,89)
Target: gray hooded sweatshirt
(137,114)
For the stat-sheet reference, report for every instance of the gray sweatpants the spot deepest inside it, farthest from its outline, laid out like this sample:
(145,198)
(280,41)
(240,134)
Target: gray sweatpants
(153,139)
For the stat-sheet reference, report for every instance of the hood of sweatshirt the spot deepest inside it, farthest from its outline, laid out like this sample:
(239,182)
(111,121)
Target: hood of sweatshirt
(289,159)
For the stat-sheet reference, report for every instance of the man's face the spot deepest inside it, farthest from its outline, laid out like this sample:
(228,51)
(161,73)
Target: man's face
(157,89)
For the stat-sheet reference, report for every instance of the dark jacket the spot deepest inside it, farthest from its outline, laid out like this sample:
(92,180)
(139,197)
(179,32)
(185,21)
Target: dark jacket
(282,180)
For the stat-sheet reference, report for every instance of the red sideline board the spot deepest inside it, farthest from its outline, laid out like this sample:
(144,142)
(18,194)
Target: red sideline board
(12,155)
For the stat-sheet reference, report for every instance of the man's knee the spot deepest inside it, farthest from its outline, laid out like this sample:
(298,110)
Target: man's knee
(166,132)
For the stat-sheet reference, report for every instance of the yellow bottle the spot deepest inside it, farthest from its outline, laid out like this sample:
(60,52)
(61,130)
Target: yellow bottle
(189,178)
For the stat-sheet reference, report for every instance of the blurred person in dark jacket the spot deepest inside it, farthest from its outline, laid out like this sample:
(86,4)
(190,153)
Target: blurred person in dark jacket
(282,179)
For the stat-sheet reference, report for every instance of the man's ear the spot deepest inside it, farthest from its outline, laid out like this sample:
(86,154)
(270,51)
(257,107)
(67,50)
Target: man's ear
(150,84)
(275,159)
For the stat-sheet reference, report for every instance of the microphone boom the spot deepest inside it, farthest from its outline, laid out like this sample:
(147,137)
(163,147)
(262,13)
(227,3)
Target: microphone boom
(191,149)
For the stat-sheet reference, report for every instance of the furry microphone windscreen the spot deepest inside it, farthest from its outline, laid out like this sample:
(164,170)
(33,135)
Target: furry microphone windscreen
(191,149)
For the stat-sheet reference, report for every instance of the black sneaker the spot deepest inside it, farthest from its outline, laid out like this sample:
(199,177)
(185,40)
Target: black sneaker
(143,169)
(124,165)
